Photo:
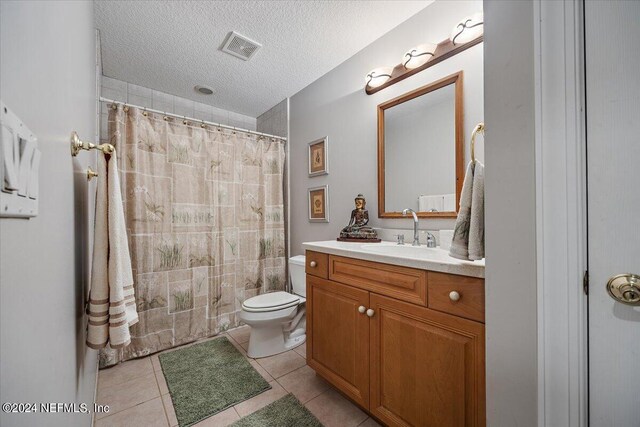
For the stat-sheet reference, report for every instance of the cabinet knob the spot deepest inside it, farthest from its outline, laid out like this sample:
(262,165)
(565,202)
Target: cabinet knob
(312,264)
(454,295)
(362,309)
(370,312)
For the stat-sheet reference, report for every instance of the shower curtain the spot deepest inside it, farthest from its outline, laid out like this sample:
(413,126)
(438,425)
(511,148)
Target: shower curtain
(205,221)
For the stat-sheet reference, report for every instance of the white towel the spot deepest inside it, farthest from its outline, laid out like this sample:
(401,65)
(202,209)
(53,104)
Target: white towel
(112,307)
(430,203)
(468,236)
(476,227)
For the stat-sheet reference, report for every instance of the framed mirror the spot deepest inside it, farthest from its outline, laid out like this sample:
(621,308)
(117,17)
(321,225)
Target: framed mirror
(421,151)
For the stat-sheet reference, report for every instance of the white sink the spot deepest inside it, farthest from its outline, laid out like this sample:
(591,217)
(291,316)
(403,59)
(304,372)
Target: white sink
(407,251)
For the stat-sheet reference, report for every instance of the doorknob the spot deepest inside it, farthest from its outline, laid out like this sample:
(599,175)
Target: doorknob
(362,309)
(370,312)
(313,264)
(625,288)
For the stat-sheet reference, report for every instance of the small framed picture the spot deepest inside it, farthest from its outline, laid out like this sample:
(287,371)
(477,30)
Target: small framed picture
(318,159)
(319,204)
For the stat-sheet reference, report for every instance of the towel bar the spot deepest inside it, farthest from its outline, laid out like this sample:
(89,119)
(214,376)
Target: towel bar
(77,144)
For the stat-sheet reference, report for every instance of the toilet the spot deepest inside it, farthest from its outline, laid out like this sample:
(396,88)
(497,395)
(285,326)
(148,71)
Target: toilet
(277,319)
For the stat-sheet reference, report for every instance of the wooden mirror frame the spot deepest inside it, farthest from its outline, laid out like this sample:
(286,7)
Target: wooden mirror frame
(455,79)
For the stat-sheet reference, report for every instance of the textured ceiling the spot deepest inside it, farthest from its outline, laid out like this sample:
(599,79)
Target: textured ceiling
(173,46)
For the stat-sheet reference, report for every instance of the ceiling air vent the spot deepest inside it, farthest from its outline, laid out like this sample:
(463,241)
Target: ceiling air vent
(240,46)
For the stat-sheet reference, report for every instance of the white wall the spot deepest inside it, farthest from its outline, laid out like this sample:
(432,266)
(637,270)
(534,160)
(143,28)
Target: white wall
(510,275)
(47,77)
(336,106)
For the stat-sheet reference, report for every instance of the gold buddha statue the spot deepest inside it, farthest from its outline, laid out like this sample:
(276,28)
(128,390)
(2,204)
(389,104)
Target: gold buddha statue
(358,228)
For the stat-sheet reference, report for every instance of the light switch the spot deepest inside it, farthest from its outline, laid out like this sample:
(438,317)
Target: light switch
(24,172)
(9,143)
(34,185)
(19,164)
(3,137)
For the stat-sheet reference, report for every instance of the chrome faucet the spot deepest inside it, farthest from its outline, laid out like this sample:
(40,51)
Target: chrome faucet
(416,240)
(431,240)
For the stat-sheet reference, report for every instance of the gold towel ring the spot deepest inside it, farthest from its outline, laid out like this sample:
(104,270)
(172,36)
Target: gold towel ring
(478,129)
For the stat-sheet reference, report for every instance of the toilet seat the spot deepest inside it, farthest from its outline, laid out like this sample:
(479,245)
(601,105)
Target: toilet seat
(272,301)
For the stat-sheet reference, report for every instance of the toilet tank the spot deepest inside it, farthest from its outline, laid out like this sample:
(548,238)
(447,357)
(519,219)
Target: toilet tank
(298,278)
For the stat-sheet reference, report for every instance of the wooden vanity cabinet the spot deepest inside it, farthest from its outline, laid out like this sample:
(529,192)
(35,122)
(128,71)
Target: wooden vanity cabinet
(404,362)
(338,336)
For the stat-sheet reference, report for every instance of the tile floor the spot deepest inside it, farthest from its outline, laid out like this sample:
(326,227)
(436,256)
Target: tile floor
(137,393)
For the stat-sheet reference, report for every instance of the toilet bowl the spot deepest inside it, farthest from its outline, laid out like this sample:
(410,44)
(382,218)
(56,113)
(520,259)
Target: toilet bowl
(277,319)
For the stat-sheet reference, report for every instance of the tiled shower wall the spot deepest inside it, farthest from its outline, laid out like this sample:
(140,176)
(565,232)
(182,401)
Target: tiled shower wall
(122,91)
(275,121)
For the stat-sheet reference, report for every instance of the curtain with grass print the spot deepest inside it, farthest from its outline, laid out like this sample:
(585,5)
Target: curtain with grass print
(205,221)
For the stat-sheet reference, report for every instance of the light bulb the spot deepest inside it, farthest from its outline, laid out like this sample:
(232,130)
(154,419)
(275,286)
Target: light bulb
(470,28)
(418,55)
(378,76)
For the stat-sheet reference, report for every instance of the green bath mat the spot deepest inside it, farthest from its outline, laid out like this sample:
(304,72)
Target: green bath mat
(284,412)
(207,378)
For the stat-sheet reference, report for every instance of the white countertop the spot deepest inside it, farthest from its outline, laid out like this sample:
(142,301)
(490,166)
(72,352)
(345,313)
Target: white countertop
(433,259)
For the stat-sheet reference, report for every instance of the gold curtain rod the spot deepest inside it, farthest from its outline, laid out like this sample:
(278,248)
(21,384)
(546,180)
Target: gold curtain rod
(476,130)
(190,119)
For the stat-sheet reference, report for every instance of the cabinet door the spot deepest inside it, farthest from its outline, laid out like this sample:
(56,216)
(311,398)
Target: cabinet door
(338,336)
(427,368)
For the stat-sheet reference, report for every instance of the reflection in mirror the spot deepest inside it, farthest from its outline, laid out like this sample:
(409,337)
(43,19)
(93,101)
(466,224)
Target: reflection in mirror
(420,153)
(420,138)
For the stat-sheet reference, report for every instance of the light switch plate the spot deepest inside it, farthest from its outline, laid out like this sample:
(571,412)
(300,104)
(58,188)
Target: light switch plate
(19,164)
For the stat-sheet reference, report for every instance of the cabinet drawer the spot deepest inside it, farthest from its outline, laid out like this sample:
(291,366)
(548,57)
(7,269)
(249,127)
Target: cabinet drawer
(470,290)
(316,264)
(403,283)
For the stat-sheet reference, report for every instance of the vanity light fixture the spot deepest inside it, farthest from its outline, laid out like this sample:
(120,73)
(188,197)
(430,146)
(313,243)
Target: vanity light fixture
(378,76)
(470,28)
(466,34)
(418,55)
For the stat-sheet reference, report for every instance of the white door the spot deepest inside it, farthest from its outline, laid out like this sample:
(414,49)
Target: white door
(612,54)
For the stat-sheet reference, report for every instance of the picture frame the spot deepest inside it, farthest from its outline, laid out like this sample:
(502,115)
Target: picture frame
(318,202)
(319,157)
